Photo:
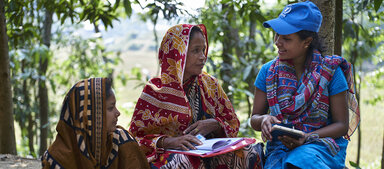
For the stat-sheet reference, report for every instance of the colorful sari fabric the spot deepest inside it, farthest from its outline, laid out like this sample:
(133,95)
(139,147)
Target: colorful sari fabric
(82,139)
(306,106)
(163,108)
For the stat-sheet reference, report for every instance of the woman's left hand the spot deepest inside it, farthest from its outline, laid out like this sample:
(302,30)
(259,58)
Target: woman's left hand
(203,127)
(292,143)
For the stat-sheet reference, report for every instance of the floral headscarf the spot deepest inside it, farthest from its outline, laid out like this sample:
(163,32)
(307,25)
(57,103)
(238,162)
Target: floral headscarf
(163,108)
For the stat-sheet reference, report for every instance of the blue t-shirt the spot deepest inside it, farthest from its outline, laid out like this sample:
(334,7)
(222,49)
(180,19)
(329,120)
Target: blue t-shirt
(338,83)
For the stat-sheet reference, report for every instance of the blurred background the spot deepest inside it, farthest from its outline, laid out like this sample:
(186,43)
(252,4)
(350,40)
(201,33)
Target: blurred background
(52,44)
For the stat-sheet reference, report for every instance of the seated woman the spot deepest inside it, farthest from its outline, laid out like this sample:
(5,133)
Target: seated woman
(87,134)
(183,102)
(306,90)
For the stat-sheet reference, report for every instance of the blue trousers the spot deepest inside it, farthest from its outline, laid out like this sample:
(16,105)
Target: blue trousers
(313,155)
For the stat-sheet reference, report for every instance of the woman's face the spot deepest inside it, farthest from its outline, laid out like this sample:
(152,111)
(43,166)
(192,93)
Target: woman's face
(195,57)
(291,46)
(112,112)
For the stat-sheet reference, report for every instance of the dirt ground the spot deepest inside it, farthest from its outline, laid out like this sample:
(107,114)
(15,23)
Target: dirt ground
(8,161)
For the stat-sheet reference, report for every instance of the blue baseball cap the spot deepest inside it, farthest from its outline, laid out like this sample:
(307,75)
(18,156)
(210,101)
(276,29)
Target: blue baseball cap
(296,17)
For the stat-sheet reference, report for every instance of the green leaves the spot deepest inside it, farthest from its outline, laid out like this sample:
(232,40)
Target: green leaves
(353,164)
(247,71)
(168,9)
(127,7)
(377,4)
(96,10)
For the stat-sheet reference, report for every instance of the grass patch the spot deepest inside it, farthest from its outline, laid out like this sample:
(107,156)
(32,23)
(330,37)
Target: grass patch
(372,130)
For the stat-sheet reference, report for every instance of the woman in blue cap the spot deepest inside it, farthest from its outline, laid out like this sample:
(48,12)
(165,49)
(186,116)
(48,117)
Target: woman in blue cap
(304,89)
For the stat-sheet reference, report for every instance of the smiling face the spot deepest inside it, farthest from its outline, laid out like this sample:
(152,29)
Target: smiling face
(195,56)
(292,47)
(112,112)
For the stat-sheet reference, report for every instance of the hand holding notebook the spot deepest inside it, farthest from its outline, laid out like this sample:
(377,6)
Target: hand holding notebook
(215,146)
(278,130)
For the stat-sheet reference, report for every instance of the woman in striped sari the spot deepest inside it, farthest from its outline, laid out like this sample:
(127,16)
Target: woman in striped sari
(87,135)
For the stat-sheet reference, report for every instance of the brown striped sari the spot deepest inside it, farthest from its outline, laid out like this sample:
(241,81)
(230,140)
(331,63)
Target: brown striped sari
(82,139)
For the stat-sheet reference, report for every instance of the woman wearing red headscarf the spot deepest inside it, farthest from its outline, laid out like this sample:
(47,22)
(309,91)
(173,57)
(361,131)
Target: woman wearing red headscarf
(185,101)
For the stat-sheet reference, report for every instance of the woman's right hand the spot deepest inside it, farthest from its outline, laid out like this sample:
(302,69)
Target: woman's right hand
(184,142)
(266,126)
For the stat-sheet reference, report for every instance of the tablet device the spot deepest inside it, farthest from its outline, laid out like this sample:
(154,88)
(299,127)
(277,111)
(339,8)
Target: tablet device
(278,130)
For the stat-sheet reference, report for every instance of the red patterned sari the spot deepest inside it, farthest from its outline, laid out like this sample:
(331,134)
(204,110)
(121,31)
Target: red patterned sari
(166,109)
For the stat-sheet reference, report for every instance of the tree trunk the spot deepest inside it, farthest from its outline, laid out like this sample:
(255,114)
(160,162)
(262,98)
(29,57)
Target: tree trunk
(327,30)
(28,112)
(358,86)
(382,154)
(338,28)
(7,131)
(31,134)
(251,45)
(43,91)
(227,52)
(359,127)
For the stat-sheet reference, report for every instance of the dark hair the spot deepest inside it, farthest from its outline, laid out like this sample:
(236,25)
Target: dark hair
(316,43)
(194,30)
(108,87)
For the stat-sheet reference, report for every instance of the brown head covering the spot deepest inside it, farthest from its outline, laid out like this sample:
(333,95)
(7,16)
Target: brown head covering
(82,139)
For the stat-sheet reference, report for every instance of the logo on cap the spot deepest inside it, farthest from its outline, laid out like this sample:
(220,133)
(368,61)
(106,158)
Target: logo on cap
(286,10)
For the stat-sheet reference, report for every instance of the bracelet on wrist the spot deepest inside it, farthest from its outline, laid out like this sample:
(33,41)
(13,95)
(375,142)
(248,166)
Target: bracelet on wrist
(312,137)
(160,145)
(162,142)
